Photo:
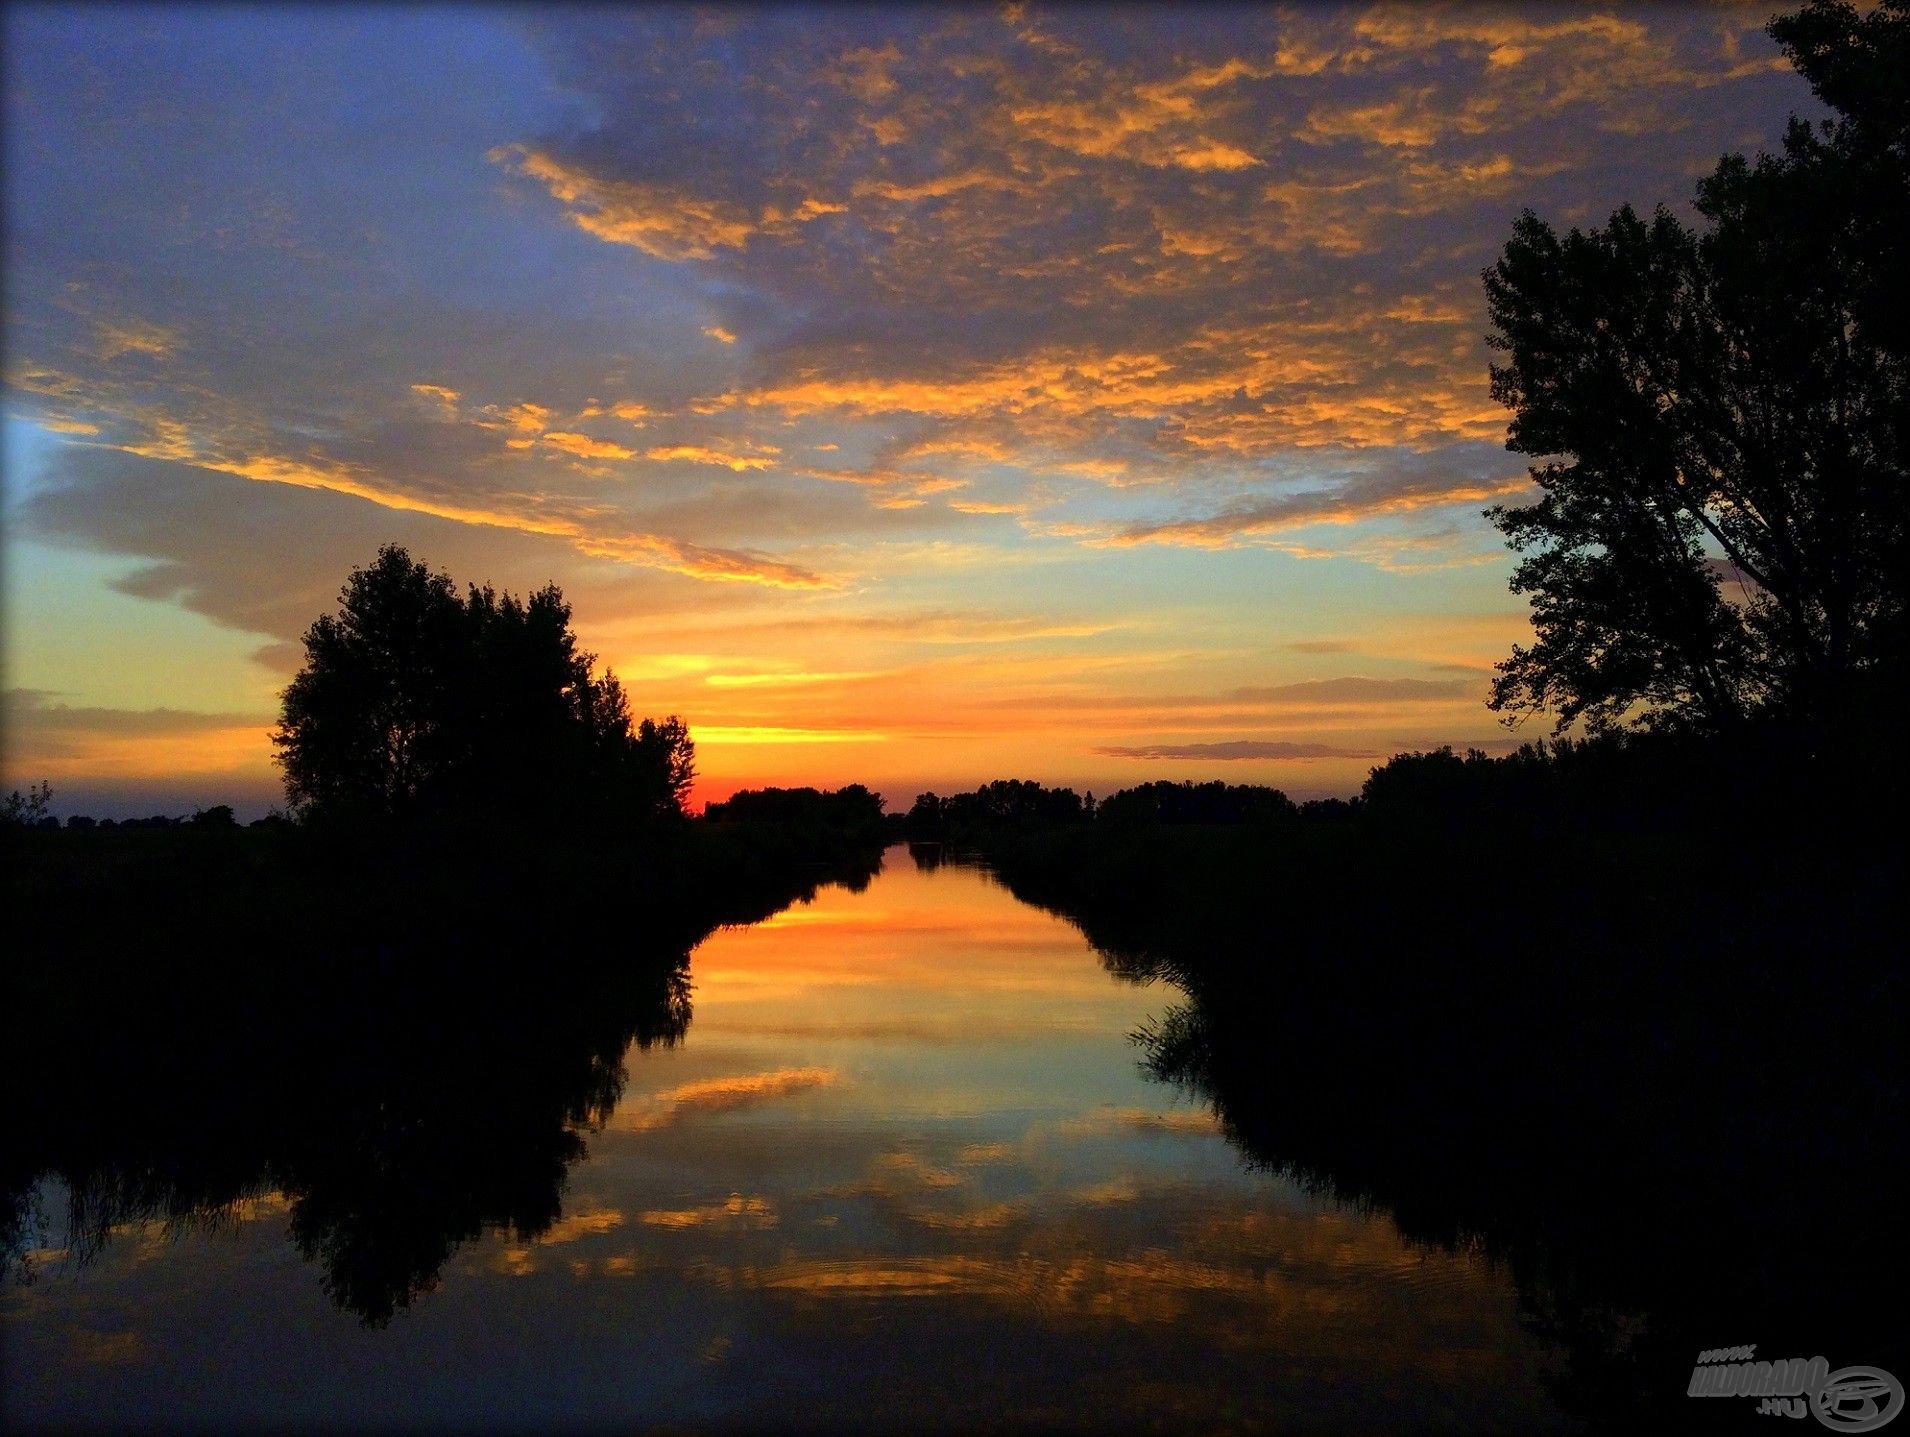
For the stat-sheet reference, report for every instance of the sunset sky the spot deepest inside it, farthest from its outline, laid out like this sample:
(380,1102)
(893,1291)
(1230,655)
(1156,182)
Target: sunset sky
(902,396)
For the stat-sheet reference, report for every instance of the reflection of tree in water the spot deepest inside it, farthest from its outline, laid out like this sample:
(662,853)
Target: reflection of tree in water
(398,1124)
(424,1150)
(409,1068)
(1663,1095)
(1635,1229)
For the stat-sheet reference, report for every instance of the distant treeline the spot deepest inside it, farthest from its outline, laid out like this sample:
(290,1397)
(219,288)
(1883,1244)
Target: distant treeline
(1017,805)
(852,808)
(220,815)
(1627,780)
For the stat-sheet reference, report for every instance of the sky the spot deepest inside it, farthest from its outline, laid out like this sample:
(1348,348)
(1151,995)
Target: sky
(903,396)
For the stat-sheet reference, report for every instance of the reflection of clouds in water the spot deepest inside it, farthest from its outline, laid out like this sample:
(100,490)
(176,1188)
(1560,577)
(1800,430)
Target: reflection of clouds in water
(987,1153)
(736,1212)
(896,1174)
(1107,1119)
(92,1348)
(908,1188)
(967,1222)
(1128,1240)
(581,1224)
(717,1095)
(514,1260)
(926,1031)
(1314,1279)
(1026,1210)
(144,1241)
(935,1179)
(931,959)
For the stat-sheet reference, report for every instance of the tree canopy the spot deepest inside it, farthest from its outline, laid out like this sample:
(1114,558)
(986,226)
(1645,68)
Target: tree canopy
(413,702)
(1723,414)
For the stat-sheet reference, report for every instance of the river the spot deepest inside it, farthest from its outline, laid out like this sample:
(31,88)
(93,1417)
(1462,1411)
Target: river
(902,1171)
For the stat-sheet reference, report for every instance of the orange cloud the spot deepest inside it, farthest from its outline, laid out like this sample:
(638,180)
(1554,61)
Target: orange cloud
(706,454)
(669,222)
(134,337)
(584,447)
(446,400)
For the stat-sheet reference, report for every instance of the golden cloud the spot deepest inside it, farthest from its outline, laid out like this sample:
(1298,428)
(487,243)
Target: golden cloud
(442,398)
(708,454)
(669,222)
(584,447)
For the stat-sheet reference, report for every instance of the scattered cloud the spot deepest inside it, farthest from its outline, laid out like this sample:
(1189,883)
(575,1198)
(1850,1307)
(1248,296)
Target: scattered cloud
(583,446)
(444,400)
(135,337)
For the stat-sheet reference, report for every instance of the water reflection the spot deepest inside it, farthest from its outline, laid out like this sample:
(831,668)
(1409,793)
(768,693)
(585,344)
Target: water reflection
(904,1173)
(1719,1167)
(390,1125)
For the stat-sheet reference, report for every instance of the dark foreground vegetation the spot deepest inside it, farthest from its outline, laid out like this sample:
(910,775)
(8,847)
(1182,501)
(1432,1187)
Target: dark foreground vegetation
(1627,1015)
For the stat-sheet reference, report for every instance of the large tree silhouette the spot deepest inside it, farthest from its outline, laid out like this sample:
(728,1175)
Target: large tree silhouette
(413,702)
(1724,414)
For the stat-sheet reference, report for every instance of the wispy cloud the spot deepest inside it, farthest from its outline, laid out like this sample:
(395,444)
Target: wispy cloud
(1235,749)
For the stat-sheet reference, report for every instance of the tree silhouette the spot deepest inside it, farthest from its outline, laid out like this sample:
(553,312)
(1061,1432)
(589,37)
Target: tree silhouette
(29,809)
(413,702)
(1724,414)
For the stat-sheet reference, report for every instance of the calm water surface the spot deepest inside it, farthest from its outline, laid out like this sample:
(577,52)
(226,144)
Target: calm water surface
(903,1171)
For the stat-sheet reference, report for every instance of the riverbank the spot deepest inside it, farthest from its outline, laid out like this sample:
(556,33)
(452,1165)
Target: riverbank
(1641,1043)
